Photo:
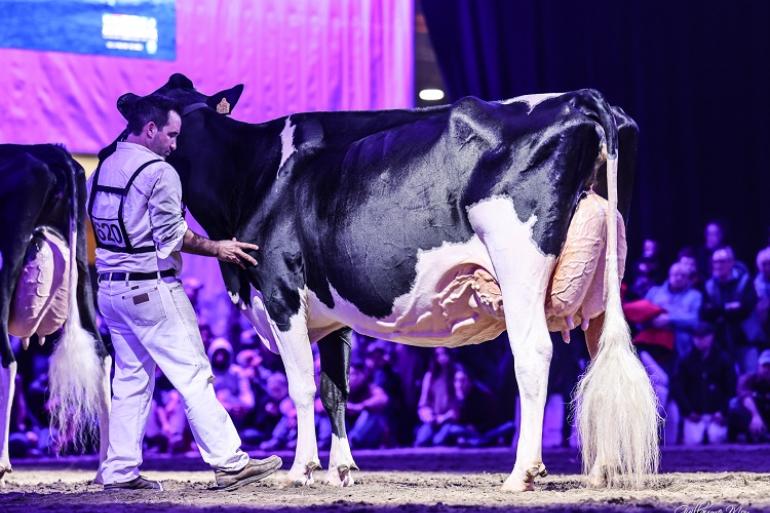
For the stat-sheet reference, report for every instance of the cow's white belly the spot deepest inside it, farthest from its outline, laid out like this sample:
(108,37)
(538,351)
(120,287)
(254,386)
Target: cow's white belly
(454,300)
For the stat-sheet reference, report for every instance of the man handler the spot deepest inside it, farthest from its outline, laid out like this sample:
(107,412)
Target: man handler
(135,204)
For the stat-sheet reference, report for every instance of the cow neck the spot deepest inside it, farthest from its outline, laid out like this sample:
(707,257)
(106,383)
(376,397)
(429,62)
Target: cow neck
(228,188)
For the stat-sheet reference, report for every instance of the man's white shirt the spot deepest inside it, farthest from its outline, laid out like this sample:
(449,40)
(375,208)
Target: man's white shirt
(152,210)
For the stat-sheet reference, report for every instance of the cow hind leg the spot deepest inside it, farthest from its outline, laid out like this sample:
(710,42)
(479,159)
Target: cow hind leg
(334,350)
(7,386)
(105,403)
(523,272)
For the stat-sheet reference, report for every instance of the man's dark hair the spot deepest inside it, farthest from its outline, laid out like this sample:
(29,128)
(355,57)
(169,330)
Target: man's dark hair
(153,108)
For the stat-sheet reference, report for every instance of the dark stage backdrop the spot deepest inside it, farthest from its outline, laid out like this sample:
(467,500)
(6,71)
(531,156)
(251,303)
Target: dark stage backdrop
(694,75)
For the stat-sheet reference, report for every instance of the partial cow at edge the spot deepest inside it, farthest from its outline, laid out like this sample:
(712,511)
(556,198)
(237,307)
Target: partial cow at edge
(44,287)
(435,227)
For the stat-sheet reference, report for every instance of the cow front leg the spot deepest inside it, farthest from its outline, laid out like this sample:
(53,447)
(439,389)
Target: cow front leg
(523,272)
(7,387)
(334,350)
(105,403)
(297,356)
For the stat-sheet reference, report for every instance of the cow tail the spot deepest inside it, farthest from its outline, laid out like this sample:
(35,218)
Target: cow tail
(76,371)
(617,409)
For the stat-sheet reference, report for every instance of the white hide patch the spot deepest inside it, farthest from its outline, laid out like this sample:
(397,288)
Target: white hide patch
(257,315)
(519,263)
(532,100)
(287,141)
(434,312)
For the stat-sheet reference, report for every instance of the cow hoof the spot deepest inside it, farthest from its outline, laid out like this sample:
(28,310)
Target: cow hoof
(525,483)
(341,476)
(514,484)
(3,471)
(303,476)
(598,477)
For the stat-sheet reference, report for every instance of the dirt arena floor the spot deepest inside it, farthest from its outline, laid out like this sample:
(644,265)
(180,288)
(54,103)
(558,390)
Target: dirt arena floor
(725,479)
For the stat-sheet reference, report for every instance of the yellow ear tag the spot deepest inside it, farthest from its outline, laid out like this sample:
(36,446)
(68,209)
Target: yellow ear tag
(223,107)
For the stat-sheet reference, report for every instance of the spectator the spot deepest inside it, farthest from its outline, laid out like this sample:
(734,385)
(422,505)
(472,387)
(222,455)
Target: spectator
(269,410)
(703,385)
(641,281)
(715,237)
(689,263)
(230,382)
(728,301)
(758,324)
(206,335)
(193,287)
(471,412)
(23,437)
(436,397)
(284,434)
(167,429)
(750,410)
(681,304)
(365,411)
(379,367)
(651,260)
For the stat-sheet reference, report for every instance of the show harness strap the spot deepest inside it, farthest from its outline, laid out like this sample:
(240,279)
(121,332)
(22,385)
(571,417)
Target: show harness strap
(110,232)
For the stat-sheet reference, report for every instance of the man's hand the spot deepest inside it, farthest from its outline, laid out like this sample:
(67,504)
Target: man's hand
(230,251)
(233,252)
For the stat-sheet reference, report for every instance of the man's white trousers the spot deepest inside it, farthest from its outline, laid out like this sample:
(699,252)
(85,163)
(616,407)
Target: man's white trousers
(152,323)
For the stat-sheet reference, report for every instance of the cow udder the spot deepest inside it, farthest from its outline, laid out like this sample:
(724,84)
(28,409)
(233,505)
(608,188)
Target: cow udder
(40,300)
(577,286)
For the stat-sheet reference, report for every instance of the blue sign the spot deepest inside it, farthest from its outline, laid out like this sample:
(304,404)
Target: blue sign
(125,28)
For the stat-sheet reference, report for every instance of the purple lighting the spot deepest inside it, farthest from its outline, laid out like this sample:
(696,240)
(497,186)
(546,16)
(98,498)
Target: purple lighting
(304,55)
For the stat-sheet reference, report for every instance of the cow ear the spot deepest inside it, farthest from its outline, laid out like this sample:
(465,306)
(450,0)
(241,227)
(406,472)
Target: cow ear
(125,103)
(179,81)
(224,101)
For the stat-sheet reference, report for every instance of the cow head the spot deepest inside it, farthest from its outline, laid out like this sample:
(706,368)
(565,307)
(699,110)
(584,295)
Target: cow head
(181,89)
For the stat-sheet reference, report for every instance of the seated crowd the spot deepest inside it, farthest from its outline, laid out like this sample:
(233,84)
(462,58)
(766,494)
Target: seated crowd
(702,332)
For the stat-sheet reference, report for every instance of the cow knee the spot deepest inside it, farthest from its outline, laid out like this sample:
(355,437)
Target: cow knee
(303,394)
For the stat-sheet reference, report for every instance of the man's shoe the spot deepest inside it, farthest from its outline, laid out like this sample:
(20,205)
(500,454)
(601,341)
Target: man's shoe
(138,483)
(251,473)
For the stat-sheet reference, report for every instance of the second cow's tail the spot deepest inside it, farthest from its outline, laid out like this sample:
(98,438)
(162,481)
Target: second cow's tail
(76,372)
(617,409)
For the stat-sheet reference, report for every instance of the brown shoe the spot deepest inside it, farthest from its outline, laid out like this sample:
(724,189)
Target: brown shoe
(254,471)
(138,483)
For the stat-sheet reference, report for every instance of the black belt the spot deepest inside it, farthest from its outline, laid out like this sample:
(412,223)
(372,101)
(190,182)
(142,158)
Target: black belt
(136,276)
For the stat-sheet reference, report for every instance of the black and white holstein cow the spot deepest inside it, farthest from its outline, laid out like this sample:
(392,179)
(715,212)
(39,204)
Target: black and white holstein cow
(431,227)
(44,287)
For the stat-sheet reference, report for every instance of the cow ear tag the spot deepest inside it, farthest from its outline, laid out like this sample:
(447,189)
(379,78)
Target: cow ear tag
(223,107)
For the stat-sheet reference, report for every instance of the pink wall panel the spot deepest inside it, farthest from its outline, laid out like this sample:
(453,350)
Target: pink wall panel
(292,56)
